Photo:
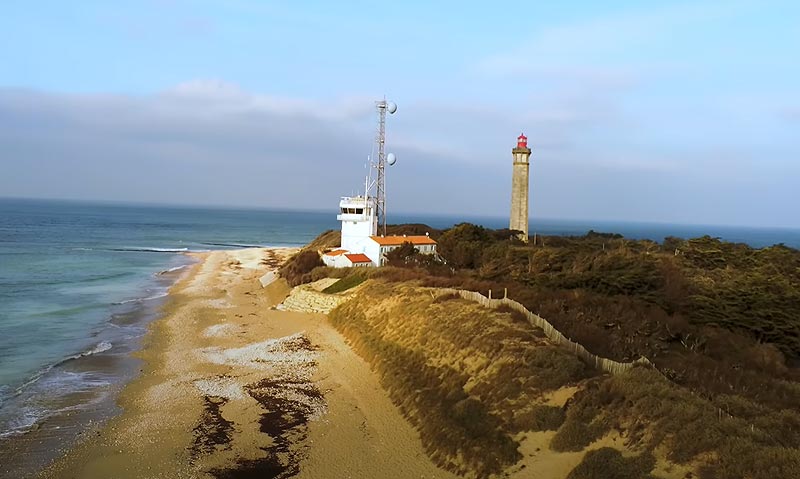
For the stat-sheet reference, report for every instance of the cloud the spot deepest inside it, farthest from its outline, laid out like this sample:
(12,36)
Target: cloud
(229,97)
(597,50)
(203,141)
(212,142)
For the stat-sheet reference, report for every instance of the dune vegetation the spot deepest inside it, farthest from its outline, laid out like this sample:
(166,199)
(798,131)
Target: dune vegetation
(720,321)
(467,377)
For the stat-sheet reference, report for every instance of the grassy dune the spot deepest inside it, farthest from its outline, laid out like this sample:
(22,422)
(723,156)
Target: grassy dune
(470,378)
(467,377)
(720,321)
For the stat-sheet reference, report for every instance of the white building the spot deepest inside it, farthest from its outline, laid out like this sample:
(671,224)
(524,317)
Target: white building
(359,218)
(340,258)
(360,241)
(378,246)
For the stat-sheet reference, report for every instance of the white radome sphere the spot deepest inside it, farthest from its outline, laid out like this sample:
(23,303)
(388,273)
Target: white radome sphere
(391,159)
(391,107)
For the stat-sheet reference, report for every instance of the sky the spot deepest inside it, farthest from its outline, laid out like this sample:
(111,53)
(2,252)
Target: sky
(681,112)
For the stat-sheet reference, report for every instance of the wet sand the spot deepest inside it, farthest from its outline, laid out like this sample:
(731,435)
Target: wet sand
(231,387)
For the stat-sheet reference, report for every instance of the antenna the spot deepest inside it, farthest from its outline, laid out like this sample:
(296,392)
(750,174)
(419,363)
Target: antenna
(379,163)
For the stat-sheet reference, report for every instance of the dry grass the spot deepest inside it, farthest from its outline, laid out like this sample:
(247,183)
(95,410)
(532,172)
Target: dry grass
(345,283)
(608,463)
(732,438)
(297,269)
(540,418)
(464,375)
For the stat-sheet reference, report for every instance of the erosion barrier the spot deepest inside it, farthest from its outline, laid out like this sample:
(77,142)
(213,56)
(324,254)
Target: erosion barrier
(554,335)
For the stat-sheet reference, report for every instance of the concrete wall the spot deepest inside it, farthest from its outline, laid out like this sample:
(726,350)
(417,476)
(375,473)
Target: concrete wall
(329,260)
(355,234)
(373,251)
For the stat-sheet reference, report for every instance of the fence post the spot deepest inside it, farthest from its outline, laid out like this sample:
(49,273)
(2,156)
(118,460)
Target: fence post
(554,335)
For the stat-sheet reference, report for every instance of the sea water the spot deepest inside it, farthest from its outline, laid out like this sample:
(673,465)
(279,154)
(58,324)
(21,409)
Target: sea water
(80,281)
(78,284)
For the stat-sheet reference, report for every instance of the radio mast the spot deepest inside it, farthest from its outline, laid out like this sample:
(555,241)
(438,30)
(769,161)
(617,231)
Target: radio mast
(380,162)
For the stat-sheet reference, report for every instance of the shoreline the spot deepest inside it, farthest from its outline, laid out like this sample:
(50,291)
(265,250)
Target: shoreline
(70,398)
(231,386)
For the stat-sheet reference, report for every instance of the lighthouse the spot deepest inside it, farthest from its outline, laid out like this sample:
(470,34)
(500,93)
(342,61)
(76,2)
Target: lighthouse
(519,187)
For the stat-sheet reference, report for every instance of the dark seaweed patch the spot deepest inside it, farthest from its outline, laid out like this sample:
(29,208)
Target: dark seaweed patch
(212,430)
(288,405)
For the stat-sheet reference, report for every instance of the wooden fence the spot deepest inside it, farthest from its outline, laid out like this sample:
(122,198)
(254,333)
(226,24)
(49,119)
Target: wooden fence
(554,335)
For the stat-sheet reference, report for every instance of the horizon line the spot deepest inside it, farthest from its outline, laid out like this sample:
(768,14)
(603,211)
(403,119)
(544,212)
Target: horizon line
(111,202)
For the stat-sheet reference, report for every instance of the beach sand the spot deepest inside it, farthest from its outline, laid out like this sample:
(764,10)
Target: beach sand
(231,387)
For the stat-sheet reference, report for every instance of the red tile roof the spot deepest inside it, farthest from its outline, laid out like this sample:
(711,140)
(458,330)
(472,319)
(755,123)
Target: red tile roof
(358,258)
(336,252)
(399,240)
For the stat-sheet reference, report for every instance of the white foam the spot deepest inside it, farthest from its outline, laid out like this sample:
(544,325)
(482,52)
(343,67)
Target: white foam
(141,300)
(101,346)
(171,270)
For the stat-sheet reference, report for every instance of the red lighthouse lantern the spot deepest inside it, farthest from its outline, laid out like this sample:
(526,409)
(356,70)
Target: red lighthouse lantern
(522,141)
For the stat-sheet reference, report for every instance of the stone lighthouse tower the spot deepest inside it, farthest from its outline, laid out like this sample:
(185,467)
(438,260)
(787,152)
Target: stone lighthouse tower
(519,188)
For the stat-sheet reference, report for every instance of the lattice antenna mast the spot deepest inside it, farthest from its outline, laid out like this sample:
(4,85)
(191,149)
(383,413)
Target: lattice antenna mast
(380,162)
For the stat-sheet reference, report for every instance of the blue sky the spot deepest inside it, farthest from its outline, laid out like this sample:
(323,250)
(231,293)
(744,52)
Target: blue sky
(659,111)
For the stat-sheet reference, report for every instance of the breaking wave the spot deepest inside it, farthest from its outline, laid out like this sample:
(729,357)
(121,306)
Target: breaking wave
(140,300)
(235,245)
(151,250)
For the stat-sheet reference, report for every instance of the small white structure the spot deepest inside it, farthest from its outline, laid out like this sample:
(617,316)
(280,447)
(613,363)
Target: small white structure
(330,258)
(357,260)
(340,258)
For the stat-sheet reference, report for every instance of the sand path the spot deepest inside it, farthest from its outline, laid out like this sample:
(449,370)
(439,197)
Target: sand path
(233,388)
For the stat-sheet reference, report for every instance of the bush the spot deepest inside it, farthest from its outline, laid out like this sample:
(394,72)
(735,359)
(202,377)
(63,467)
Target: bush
(608,463)
(540,418)
(297,269)
(575,434)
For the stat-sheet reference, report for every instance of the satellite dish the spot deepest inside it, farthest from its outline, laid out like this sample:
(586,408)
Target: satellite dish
(391,159)
(391,107)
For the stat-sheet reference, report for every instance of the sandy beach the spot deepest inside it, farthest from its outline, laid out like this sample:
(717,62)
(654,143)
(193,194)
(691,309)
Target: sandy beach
(232,387)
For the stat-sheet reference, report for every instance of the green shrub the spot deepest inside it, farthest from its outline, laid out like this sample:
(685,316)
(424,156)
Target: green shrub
(297,269)
(345,283)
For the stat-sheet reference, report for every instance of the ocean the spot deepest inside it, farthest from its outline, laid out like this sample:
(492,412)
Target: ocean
(79,283)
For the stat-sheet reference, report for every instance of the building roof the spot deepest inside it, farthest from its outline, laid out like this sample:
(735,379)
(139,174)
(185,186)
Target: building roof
(336,252)
(358,258)
(399,240)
